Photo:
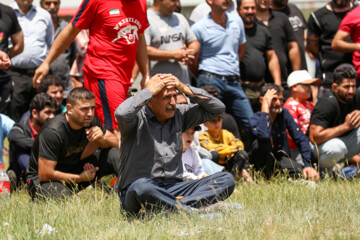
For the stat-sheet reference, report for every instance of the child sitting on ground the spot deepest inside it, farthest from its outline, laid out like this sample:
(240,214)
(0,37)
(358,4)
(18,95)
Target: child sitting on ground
(192,163)
(299,105)
(229,148)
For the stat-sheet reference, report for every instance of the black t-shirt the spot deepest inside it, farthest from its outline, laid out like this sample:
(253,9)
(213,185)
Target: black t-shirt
(254,64)
(329,112)
(281,34)
(324,23)
(58,142)
(298,24)
(9,25)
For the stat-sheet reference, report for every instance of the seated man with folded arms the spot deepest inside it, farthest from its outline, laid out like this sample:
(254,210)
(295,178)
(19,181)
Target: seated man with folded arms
(22,135)
(64,157)
(334,126)
(151,171)
(270,148)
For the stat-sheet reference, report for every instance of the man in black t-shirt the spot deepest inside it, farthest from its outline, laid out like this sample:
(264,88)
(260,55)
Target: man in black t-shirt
(322,27)
(65,151)
(335,120)
(297,21)
(9,28)
(285,45)
(259,54)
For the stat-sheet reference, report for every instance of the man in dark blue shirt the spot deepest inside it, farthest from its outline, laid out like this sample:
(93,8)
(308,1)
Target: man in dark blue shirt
(270,148)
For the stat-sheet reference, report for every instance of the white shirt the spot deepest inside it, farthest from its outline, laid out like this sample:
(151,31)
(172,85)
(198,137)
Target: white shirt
(192,165)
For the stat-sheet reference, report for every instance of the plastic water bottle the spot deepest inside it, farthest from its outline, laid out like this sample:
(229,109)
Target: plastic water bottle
(4,186)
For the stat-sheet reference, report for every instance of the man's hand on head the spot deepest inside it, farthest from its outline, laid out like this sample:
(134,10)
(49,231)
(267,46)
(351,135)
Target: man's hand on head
(95,134)
(156,83)
(267,99)
(173,82)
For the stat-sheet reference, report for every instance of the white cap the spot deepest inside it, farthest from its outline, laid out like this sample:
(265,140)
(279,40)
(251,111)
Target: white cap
(303,77)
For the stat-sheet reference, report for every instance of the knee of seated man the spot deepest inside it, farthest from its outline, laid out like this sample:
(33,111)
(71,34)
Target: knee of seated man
(142,187)
(335,148)
(333,151)
(224,178)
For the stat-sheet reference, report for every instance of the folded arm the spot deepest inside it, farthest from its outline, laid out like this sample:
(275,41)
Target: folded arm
(48,173)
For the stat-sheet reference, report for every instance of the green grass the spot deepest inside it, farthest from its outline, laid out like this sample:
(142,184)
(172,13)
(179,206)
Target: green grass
(278,209)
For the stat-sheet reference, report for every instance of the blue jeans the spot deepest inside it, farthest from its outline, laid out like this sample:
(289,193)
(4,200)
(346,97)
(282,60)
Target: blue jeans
(349,172)
(232,96)
(338,149)
(211,167)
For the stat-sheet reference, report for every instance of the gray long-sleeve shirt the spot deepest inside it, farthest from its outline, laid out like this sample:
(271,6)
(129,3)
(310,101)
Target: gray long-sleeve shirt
(150,149)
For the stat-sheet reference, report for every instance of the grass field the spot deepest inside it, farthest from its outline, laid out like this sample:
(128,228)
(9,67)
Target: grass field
(279,209)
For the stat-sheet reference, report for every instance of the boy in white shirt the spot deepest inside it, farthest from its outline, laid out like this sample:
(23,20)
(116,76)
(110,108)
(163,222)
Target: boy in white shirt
(192,163)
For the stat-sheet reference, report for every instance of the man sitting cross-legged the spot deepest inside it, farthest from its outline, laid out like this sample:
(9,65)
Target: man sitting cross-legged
(64,157)
(151,126)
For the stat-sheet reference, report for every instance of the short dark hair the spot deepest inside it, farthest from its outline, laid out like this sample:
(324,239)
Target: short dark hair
(48,81)
(238,3)
(79,93)
(40,101)
(268,86)
(342,71)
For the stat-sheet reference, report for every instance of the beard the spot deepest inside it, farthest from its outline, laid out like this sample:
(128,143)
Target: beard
(340,4)
(40,122)
(343,97)
(251,21)
(276,110)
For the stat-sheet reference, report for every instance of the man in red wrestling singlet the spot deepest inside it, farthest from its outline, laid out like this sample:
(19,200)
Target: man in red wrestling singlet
(116,41)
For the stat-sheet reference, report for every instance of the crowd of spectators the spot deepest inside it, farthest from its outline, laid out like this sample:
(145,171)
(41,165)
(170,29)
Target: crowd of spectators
(66,109)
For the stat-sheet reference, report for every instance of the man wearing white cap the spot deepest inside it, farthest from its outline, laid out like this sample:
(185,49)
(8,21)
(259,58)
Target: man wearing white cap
(300,108)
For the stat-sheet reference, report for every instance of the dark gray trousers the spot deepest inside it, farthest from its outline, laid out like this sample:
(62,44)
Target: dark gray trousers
(146,193)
